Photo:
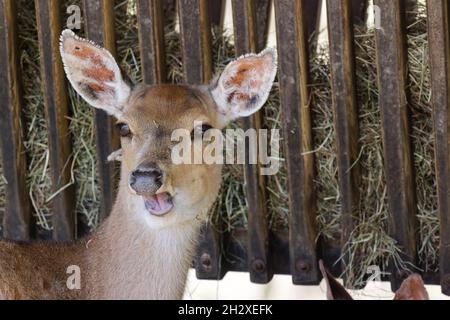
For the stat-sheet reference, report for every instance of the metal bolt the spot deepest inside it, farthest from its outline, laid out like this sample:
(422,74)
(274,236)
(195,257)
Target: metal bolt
(302,266)
(206,262)
(258,266)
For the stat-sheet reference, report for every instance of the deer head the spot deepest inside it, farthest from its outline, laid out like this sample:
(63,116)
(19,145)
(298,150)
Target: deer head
(152,186)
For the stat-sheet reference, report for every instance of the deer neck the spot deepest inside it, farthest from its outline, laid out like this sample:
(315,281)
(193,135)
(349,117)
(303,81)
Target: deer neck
(137,262)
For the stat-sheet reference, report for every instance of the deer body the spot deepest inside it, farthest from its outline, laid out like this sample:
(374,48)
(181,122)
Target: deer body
(114,265)
(154,266)
(145,248)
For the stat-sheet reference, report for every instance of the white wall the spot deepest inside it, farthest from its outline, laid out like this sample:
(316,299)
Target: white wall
(237,286)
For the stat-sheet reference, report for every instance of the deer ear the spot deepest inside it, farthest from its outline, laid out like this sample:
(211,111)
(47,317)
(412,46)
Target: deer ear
(94,73)
(412,288)
(244,86)
(335,291)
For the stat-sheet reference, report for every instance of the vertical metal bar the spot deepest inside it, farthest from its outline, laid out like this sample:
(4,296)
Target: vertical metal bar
(197,60)
(392,78)
(196,40)
(151,40)
(18,210)
(99,24)
(340,33)
(293,77)
(439,46)
(259,262)
(56,111)
(209,263)
(262,18)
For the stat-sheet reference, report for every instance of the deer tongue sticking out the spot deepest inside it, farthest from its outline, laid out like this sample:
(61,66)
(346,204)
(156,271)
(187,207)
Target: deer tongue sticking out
(159,204)
(178,193)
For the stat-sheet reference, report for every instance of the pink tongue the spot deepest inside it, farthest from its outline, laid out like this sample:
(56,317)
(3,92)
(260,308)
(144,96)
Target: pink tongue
(159,204)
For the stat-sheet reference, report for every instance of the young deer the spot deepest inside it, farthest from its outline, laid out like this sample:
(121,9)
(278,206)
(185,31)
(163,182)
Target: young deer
(145,248)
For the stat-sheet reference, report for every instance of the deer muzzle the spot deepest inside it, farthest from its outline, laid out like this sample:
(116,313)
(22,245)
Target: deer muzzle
(146,181)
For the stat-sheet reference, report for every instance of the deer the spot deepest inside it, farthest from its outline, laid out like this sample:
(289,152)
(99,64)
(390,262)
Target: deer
(412,288)
(145,248)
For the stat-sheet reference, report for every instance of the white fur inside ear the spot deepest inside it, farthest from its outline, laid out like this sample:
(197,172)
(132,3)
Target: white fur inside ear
(245,84)
(94,73)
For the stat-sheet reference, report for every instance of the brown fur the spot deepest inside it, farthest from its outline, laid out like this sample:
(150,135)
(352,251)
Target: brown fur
(412,288)
(115,261)
(134,254)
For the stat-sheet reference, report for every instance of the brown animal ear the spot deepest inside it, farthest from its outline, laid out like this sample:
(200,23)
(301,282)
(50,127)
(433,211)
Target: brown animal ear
(335,291)
(244,86)
(412,288)
(94,73)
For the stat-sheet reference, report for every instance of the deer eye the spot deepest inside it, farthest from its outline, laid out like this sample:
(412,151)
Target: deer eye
(200,130)
(124,130)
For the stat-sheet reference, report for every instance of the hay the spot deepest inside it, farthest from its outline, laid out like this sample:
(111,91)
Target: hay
(423,144)
(370,243)
(35,139)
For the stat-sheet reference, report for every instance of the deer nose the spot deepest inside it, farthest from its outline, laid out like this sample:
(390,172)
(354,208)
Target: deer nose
(146,180)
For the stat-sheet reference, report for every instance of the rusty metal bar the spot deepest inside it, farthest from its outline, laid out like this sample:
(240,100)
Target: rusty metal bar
(151,40)
(196,40)
(439,46)
(56,113)
(209,262)
(18,209)
(99,24)
(293,77)
(262,16)
(392,78)
(236,253)
(246,39)
(197,60)
(340,32)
